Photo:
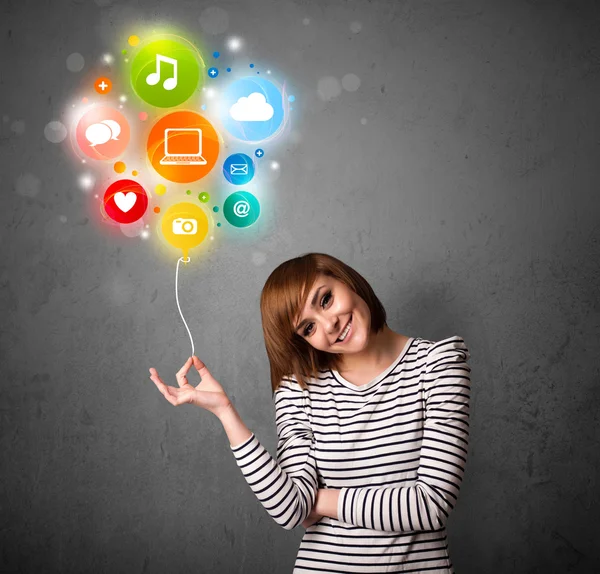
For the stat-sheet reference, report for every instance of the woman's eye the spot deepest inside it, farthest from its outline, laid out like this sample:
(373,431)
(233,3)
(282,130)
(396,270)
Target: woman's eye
(326,296)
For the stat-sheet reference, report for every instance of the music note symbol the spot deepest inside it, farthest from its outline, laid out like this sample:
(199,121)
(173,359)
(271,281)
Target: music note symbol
(153,78)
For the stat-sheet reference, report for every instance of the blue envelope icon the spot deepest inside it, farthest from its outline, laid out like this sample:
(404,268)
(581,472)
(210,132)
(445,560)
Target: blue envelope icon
(238,169)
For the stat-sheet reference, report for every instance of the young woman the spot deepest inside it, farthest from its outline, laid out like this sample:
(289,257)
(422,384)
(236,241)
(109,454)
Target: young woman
(372,425)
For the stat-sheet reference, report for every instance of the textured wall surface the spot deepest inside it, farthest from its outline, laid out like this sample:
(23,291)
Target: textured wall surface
(460,178)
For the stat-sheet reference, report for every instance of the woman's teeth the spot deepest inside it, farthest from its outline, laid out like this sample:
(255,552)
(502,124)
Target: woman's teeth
(346,331)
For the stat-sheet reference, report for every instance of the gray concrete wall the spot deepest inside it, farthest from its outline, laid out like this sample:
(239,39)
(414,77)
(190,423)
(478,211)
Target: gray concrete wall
(460,178)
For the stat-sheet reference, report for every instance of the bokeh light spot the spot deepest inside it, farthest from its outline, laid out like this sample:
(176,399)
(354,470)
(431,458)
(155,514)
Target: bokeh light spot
(28,185)
(143,116)
(86,181)
(351,82)
(133,40)
(132,229)
(75,62)
(160,189)
(120,167)
(329,88)
(234,44)
(214,20)
(157,210)
(55,132)
(355,27)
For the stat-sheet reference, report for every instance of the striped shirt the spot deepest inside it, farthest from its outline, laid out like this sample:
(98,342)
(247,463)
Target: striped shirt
(396,448)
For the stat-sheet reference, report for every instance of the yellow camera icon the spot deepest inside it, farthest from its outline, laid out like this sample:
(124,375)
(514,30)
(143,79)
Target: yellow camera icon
(185,226)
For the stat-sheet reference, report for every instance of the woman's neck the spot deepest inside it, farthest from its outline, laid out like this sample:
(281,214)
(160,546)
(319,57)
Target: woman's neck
(381,349)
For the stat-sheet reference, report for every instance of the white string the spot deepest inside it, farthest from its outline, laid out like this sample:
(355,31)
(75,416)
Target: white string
(177,298)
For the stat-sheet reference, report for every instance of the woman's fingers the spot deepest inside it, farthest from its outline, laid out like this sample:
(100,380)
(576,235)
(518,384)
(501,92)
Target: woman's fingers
(181,374)
(200,367)
(154,376)
(159,383)
(173,395)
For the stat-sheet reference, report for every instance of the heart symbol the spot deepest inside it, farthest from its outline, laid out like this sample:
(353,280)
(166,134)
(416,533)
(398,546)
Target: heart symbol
(125,202)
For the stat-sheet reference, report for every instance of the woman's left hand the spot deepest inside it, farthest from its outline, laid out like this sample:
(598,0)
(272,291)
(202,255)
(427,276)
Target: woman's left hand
(314,515)
(312,518)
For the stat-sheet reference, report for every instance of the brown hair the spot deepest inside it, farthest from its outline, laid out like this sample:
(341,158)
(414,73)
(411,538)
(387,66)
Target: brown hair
(282,299)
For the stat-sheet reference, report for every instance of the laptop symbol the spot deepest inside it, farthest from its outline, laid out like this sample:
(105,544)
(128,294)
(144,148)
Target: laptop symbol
(183,147)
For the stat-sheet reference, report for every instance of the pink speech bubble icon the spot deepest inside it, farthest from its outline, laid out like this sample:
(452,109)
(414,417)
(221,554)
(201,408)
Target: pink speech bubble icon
(102,133)
(115,128)
(98,134)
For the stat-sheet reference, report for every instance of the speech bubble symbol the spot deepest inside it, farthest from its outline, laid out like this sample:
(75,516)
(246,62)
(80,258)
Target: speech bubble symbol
(114,127)
(106,129)
(98,134)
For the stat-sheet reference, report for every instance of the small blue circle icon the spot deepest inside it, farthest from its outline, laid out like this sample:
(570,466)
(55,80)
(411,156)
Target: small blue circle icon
(213,72)
(259,152)
(238,169)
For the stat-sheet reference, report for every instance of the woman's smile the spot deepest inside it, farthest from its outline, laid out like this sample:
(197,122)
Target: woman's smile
(348,334)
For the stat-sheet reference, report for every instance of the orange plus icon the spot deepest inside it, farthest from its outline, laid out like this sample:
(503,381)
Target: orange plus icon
(103,85)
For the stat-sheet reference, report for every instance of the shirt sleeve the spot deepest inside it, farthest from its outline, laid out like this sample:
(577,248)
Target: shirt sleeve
(426,504)
(286,487)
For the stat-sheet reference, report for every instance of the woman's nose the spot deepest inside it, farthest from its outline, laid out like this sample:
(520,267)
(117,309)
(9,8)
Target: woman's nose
(332,326)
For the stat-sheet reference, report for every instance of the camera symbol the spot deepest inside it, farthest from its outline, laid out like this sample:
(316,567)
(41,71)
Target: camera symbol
(185,226)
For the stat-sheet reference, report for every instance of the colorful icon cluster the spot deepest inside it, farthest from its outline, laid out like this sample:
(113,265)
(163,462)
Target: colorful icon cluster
(182,146)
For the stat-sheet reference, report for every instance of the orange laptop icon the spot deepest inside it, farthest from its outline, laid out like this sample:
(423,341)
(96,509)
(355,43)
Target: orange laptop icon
(183,146)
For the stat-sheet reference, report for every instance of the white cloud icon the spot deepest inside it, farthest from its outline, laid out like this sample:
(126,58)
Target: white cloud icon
(254,108)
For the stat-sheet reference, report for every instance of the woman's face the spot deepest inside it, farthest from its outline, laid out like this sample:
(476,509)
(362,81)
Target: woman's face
(335,304)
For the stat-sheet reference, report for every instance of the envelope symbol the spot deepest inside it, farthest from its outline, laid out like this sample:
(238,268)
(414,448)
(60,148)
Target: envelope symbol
(238,169)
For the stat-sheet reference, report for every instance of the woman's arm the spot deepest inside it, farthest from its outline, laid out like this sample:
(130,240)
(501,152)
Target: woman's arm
(326,503)
(427,503)
(286,485)
(237,432)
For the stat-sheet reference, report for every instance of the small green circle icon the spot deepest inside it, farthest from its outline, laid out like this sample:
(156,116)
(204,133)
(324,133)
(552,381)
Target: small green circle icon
(241,209)
(165,73)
